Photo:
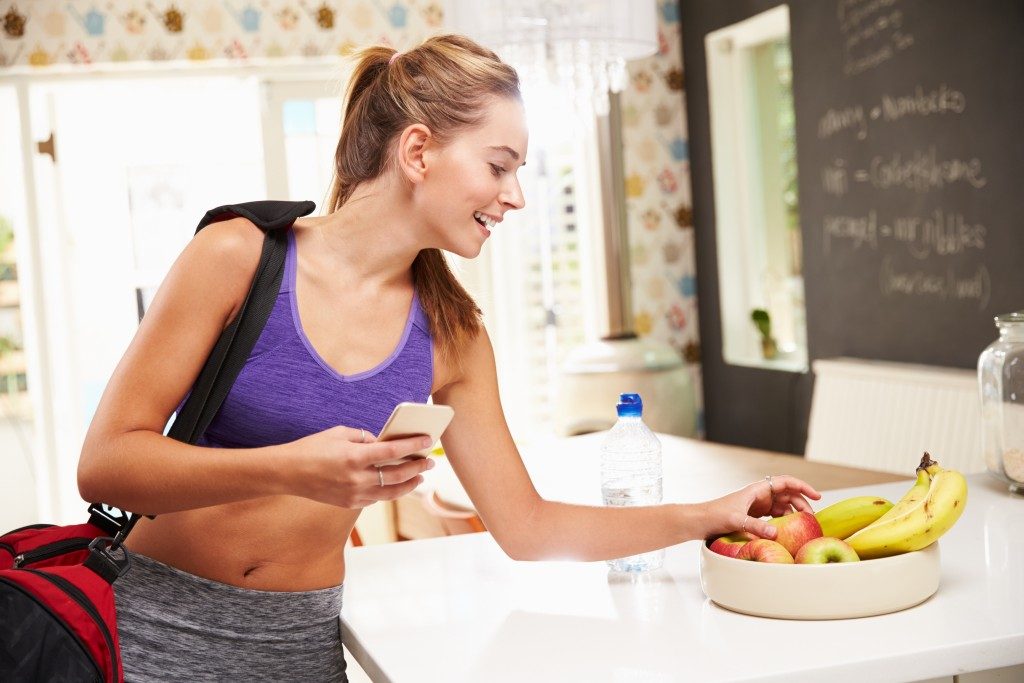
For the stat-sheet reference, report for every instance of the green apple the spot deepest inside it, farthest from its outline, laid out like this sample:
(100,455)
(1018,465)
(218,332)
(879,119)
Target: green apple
(824,550)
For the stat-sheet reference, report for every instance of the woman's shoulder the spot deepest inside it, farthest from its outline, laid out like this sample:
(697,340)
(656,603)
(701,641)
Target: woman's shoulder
(225,255)
(232,241)
(473,356)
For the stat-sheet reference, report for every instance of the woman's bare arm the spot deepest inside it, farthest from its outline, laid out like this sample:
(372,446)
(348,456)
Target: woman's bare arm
(527,527)
(126,460)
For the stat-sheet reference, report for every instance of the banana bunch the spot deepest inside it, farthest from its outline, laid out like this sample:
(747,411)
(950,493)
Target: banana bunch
(849,516)
(929,509)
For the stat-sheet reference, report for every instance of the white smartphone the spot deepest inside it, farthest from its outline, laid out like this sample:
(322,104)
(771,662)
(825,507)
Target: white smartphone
(413,419)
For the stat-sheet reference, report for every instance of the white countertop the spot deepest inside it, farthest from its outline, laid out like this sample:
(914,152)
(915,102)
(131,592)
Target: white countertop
(458,609)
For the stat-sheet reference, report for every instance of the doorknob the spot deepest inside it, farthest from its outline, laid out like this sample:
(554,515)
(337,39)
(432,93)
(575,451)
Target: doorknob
(46,147)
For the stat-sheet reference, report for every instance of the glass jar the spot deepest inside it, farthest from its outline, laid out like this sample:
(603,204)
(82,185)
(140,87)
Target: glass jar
(1001,380)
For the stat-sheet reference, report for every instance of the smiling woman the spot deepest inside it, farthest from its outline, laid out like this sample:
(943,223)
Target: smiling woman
(255,515)
(365,287)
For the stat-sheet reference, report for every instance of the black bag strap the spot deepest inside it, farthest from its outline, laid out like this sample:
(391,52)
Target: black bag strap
(269,215)
(236,342)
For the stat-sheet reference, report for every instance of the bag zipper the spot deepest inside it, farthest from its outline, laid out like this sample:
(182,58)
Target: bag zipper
(10,548)
(75,593)
(26,528)
(49,550)
(70,632)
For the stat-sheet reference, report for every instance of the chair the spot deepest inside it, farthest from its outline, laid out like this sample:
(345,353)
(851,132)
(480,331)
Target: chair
(453,520)
(882,416)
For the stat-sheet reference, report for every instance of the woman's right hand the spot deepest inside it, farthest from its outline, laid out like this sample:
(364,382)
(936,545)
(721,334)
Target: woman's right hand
(339,466)
(742,510)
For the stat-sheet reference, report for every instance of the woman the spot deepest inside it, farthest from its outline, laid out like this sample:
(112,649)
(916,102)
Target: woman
(240,574)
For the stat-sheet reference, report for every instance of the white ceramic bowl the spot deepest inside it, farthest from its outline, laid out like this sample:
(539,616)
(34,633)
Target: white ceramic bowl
(839,590)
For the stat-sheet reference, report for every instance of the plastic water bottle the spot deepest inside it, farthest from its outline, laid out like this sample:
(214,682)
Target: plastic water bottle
(631,473)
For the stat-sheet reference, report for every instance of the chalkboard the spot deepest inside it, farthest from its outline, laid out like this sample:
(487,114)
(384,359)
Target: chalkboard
(911,174)
(911,188)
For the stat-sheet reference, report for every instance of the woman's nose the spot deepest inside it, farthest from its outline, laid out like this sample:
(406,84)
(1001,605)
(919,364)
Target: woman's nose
(513,196)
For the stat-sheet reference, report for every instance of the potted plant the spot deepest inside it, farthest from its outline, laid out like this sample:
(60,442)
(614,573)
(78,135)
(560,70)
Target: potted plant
(6,234)
(763,322)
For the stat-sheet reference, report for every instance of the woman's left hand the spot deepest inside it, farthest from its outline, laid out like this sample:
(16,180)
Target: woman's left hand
(741,510)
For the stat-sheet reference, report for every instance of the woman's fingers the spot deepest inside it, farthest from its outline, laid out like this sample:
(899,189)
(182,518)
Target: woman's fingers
(342,466)
(783,504)
(801,504)
(397,474)
(392,491)
(357,435)
(784,491)
(784,495)
(381,452)
(760,527)
(785,483)
(399,490)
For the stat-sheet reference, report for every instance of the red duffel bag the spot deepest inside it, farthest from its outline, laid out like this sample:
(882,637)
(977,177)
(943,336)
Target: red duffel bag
(57,604)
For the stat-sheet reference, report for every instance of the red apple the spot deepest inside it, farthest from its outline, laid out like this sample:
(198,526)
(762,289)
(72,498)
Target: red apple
(730,544)
(824,550)
(763,550)
(795,529)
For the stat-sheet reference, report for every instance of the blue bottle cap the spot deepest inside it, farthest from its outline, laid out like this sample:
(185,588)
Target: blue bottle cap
(630,405)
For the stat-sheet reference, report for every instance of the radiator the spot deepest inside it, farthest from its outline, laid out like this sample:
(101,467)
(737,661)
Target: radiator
(883,416)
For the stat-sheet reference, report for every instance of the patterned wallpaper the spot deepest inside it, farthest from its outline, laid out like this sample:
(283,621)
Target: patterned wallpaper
(658,192)
(41,34)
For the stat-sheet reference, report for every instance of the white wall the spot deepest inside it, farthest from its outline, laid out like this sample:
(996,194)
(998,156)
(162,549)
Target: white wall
(17,480)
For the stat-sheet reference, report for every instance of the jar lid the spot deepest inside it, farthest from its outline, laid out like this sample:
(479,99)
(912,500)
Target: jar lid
(1010,318)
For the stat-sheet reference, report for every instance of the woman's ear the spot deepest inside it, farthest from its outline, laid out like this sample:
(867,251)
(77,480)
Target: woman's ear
(413,147)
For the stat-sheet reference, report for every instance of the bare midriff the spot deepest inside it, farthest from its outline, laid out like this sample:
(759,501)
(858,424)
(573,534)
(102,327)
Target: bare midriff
(273,543)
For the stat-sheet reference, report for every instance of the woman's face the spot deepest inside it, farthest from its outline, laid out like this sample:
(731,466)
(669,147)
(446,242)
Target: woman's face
(471,181)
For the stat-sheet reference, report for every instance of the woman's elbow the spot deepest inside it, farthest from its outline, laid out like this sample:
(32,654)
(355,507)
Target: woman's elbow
(516,548)
(90,475)
(522,538)
(87,479)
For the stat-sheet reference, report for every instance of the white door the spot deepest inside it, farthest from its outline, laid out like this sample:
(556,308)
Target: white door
(137,164)
(302,121)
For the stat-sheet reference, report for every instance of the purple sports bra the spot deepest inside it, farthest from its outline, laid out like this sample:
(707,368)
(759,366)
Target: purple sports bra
(287,391)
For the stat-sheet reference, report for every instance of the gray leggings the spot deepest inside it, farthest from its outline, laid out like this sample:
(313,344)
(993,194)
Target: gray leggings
(175,626)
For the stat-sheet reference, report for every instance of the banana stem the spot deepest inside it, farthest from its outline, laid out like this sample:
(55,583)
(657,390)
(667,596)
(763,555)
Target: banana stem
(926,462)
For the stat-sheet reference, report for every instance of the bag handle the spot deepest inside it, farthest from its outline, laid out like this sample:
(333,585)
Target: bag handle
(236,342)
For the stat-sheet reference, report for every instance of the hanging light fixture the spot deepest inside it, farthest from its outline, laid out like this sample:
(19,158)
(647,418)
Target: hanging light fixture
(579,47)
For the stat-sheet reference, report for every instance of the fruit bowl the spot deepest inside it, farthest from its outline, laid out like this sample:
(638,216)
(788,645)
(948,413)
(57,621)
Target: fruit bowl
(841,590)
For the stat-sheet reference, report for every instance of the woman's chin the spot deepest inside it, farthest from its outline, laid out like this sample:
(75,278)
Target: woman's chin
(466,250)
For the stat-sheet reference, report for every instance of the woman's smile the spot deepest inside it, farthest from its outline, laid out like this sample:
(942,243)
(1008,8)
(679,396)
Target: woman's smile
(485,222)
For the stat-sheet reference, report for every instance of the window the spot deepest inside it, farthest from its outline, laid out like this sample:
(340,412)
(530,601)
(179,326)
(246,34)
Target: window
(756,204)
(301,127)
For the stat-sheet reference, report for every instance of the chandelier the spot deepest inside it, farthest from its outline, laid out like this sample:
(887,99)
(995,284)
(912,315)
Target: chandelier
(578,47)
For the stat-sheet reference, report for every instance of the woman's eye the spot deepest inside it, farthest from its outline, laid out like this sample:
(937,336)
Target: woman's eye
(495,169)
